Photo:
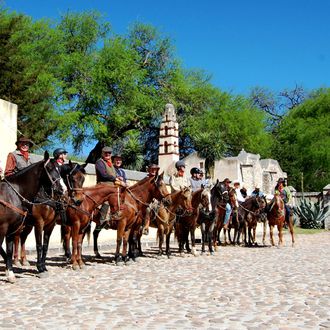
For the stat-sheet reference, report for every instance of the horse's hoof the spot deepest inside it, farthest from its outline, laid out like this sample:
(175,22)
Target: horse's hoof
(75,266)
(11,278)
(97,255)
(202,253)
(81,265)
(17,263)
(25,262)
(212,253)
(42,275)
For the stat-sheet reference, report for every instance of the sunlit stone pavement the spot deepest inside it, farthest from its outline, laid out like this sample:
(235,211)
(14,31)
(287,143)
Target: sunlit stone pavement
(238,288)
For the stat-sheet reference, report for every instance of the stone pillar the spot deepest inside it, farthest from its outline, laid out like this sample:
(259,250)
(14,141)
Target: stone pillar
(8,130)
(168,139)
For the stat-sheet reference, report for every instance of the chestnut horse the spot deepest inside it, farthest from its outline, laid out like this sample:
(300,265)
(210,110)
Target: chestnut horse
(137,199)
(165,215)
(79,217)
(44,215)
(276,216)
(16,194)
(187,223)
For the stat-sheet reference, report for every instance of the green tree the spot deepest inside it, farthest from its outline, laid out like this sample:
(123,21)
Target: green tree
(303,142)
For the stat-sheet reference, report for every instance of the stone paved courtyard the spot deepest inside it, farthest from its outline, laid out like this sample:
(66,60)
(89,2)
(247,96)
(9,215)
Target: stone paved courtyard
(238,288)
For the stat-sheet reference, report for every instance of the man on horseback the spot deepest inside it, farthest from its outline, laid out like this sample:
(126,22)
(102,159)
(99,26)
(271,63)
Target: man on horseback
(240,197)
(106,173)
(179,179)
(284,192)
(152,170)
(117,163)
(256,192)
(20,158)
(225,193)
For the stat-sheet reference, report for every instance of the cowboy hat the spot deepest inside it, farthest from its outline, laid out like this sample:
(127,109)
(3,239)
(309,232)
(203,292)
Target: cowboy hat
(226,180)
(24,139)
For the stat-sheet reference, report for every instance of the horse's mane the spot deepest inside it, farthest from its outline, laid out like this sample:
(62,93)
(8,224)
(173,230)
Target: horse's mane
(23,172)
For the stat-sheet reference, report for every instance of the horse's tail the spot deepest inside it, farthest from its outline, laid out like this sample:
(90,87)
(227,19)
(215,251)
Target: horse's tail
(88,232)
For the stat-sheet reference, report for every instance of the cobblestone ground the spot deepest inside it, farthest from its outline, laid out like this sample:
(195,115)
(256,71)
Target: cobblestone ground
(238,288)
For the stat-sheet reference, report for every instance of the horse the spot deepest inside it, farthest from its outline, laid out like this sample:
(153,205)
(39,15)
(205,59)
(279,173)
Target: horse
(44,215)
(138,198)
(187,222)
(165,216)
(206,220)
(248,214)
(276,216)
(79,217)
(219,198)
(16,193)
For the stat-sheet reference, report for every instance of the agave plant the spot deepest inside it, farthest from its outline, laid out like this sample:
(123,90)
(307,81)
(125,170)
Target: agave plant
(311,215)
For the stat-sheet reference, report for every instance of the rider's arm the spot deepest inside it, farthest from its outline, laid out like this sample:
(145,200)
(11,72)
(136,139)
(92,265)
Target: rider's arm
(10,165)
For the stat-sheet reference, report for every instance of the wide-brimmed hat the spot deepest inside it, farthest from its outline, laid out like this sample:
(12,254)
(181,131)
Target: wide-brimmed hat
(281,180)
(24,139)
(107,149)
(226,180)
(236,182)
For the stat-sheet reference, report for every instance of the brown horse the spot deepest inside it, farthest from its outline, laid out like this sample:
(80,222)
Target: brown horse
(219,199)
(165,215)
(248,214)
(187,223)
(137,199)
(276,216)
(44,215)
(79,217)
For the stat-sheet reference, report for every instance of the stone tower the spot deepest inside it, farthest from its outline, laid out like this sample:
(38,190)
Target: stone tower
(168,139)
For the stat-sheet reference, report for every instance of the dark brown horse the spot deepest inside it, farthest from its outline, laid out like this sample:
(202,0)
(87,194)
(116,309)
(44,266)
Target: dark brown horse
(164,216)
(137,199)
(16,194)
(187,223)
(276,217)
(219,199)
(45,213)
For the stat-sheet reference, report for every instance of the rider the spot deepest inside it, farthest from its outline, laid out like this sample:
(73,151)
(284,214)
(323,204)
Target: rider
(226,187)
(179,179)
(20,158)
(239,195)
(117,163)
(285,194)
(195,181)
(60,155)
(152,170)
(106,173)
(256,192)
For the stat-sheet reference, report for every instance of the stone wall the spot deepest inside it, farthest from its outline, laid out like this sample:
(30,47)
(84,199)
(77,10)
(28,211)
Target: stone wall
(8,130)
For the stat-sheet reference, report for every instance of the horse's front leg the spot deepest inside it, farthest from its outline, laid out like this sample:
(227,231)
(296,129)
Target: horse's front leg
(264,229)
(271,234)
(16,249)
(9,261)
(96,233)
(291,229)
(203,232)
(75,238)
(209,235)
(254,234)
(38,230)
(125,242)
(168,237)
(193,240)
(47,232)
(80,243)
(160,233)
(280,234)
(120,234)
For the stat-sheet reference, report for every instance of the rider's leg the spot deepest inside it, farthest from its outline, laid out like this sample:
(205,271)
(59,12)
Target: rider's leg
(227,216)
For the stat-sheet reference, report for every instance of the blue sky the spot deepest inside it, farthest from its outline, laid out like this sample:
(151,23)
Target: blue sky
(242,44)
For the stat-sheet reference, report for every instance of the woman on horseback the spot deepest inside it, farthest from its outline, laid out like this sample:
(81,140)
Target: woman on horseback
(284,192)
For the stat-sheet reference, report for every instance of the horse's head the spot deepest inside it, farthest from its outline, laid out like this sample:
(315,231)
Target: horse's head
(161,192)
(233,198)
(51,180)
(206,199)
(261,202)
(184,200)
(73,175)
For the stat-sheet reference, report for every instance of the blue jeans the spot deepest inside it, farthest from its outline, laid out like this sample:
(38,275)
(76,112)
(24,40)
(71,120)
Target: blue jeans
(287,213)
(228,213)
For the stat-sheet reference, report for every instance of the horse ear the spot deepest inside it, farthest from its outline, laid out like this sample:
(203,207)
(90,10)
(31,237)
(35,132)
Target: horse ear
(217,181)
(46,155)
(161,175)
(70,163)
(84,165)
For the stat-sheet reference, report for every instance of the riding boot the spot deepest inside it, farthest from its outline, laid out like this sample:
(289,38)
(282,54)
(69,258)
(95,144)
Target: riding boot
(63,217)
